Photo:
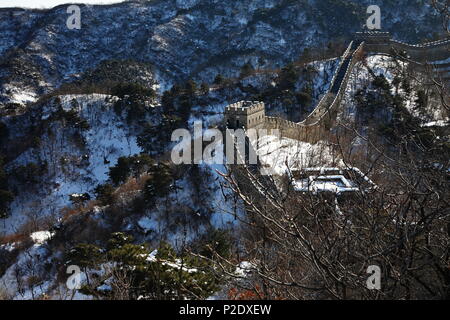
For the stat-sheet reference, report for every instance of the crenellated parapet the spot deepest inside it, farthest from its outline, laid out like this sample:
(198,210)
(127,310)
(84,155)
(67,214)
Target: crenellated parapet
(321,119)
(245,114)
(251,114)
(382,42)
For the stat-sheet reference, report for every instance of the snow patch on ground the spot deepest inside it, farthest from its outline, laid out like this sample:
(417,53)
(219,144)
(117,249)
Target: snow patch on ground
(108,138)
(438,123)
(28,266)
(40,237)
(277,155)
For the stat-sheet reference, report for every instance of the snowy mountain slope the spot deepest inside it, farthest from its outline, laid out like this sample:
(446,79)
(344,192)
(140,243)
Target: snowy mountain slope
(69,172)
(79,164)
(180,38)
(74,139)
(109,137)
(392,69)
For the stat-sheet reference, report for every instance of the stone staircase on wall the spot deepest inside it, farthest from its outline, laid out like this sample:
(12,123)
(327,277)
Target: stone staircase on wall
(321,119)
(318,123)
(430,53)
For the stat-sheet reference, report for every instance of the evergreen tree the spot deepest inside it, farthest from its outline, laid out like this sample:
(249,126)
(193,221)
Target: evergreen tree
(167,101)
(381,82)
(127,166)
(185,107)
(190,88)
(160,182)
(140,163)
(118,240)
(288,77)
(121,171)
(4,132)
(166,274)
(204,88)
(30,173)
(421,101)
(85,256)
(396,83)
(132,89)
(216,242)
(6,196)
(304,97)
(406,85)
(219,79)
(246,70)
(105,194)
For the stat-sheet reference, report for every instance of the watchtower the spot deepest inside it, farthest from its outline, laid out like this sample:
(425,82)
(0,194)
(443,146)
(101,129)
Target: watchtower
(245,114)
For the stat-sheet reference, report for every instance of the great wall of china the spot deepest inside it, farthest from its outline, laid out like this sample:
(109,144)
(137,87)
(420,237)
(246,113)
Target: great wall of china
(251,114)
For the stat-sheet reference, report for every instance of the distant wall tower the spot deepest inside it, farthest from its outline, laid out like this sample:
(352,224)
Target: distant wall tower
(245,114)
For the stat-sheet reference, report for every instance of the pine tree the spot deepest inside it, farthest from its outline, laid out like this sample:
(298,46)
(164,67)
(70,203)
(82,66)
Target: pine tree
(85,256)
(288,77)
(216,242)
(381,82)
(6,196)
(246,70)
(105,194)
(121,171)
(421,100)
(304,97)
(204,88)
(219,79)
(118,240)
(4,132)
(167,101)
(140,163)
(160,182)
(190,87)
(30,173)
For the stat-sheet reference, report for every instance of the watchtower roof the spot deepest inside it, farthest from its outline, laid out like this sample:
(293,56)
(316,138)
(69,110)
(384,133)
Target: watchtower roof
(245,107)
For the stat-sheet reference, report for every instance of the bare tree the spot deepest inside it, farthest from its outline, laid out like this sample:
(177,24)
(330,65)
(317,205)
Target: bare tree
(319,246)
(442,7)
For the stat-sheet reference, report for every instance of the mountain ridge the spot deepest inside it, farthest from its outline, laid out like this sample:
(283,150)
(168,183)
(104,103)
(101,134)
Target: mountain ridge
(182,39)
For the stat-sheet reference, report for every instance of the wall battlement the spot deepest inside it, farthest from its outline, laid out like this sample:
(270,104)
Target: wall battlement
(251,114)
(245,107)
(245,114)
(382,42)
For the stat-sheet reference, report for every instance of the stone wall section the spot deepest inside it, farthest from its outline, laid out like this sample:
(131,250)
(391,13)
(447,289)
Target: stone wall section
(251,114)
